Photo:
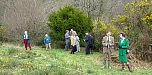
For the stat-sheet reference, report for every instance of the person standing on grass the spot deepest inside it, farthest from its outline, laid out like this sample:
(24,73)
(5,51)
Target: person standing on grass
(26,40)
(89,43)
(77,43)
(71,32)
(108,47)
(73,42)
(92,42)
(123,51)
(67,40)
(47,41)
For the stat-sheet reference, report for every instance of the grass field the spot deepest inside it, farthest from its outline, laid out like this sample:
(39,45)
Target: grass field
(15,60)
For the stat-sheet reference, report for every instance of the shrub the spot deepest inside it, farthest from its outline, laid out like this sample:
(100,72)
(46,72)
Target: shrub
(2,31)
(99,31)
(69,18)
(136,23)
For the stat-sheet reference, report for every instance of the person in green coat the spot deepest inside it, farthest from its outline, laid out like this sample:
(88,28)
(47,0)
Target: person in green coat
(123,51)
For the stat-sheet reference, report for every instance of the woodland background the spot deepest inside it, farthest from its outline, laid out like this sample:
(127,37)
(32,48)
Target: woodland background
(134,17)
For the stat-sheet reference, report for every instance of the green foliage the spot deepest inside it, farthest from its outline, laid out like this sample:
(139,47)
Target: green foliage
(136,23)
(102,27)
(2,30)
(57,62)
(148,21)
(121,22)
(141,7)
(69,18)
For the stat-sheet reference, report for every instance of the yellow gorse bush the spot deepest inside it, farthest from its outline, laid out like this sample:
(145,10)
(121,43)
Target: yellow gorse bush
(120,19)
(103,27)
(148,20)
(144,3)
(2,29)
(135,7)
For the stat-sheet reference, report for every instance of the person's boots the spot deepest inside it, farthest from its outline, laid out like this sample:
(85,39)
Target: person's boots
(129,68)
(123,67)
(71,52)
(109,64)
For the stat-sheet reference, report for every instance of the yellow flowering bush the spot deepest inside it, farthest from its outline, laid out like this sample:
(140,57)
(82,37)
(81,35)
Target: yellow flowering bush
(136,23)
(138,6)
(148,20)
(100,30)
(121,22)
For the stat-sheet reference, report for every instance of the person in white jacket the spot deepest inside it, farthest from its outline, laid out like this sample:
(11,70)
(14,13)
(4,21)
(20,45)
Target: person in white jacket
(73,42)
(77,43)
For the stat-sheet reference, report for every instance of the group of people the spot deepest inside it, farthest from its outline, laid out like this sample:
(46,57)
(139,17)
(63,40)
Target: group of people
(72,40)
(108,48)
(27,41)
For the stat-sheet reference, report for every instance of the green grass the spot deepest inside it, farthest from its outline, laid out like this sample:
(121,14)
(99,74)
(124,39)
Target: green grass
(17,61)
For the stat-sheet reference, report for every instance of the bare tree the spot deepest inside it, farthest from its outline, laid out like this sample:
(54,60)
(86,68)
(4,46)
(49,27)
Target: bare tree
(32,15)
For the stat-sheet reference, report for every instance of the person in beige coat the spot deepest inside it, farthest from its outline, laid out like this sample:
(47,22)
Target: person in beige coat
(73,42)
(108,47)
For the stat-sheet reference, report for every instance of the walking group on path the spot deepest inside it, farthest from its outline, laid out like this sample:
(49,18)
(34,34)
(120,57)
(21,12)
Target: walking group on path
(72,41)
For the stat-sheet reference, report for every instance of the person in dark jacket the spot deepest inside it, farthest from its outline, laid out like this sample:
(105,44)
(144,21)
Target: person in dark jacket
(47,41)
(89,43)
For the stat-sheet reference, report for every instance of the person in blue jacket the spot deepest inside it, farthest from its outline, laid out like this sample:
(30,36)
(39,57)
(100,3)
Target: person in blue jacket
(47,41)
